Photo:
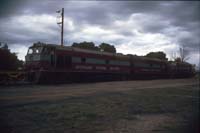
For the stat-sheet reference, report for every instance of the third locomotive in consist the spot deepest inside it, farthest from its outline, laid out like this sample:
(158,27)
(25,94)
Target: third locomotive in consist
(49,63)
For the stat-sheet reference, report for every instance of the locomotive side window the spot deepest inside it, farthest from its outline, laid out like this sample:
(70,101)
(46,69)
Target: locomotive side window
(76,60)
(142,64)
(52,56)
(60,61)
(156,66)
(95,61)
(35,50)
(121,63)
(46,51)
(107,62)
(83,60)
(30,51)
(68,61)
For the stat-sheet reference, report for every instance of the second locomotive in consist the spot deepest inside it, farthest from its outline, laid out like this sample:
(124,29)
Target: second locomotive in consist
(49,63)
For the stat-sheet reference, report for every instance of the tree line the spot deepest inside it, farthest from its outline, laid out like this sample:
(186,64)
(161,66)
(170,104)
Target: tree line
(91,46)
(111,49)
(8,60)
(183,55)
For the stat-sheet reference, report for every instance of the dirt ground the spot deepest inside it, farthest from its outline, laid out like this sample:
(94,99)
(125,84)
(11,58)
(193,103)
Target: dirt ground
(50,92)
(144,123)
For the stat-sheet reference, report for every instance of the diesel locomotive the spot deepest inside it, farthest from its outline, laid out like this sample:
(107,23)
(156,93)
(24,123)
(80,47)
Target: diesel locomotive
(50,63)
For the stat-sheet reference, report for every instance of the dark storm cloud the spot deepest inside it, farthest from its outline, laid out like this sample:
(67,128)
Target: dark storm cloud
(180,14)
(101,12)
(80,11)
(178,21)
(12,7)
(94,12)
(185,16)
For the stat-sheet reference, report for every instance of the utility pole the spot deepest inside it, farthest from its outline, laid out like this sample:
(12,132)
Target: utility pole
(62,31)
(62,25)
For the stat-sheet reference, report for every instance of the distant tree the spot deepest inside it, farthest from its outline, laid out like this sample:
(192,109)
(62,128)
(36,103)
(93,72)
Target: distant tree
(178,60)
(5,46)
(91,46)
(158,55)
(173,56)
(9,60)
(86,45)
(183,54)
(107,48)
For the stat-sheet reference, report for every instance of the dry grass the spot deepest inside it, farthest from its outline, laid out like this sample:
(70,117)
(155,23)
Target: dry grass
(154,109)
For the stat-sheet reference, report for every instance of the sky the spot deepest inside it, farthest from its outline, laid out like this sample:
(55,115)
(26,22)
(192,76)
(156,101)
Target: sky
(133,27)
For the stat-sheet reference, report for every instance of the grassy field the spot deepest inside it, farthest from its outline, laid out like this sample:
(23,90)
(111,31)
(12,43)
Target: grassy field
(168,110)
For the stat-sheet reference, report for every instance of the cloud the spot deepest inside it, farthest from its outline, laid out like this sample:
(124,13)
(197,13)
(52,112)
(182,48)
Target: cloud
(9,8)
(20,50)
(25,28)
(136,27)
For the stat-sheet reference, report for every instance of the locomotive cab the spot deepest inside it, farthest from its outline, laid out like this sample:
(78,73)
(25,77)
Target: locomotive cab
(34,53)
(40,59)
(40,56)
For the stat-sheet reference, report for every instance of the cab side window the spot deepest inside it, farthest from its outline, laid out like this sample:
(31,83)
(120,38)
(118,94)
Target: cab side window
(83,60)
(60,61)
(68,61)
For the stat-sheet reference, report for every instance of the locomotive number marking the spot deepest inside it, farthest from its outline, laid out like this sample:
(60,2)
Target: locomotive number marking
(114,68)
(100,68)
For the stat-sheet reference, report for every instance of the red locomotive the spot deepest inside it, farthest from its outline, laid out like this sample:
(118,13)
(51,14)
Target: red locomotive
(48,63)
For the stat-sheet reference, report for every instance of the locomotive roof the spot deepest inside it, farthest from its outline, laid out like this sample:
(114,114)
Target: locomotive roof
(118,55)
(142,58)
(69,48)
